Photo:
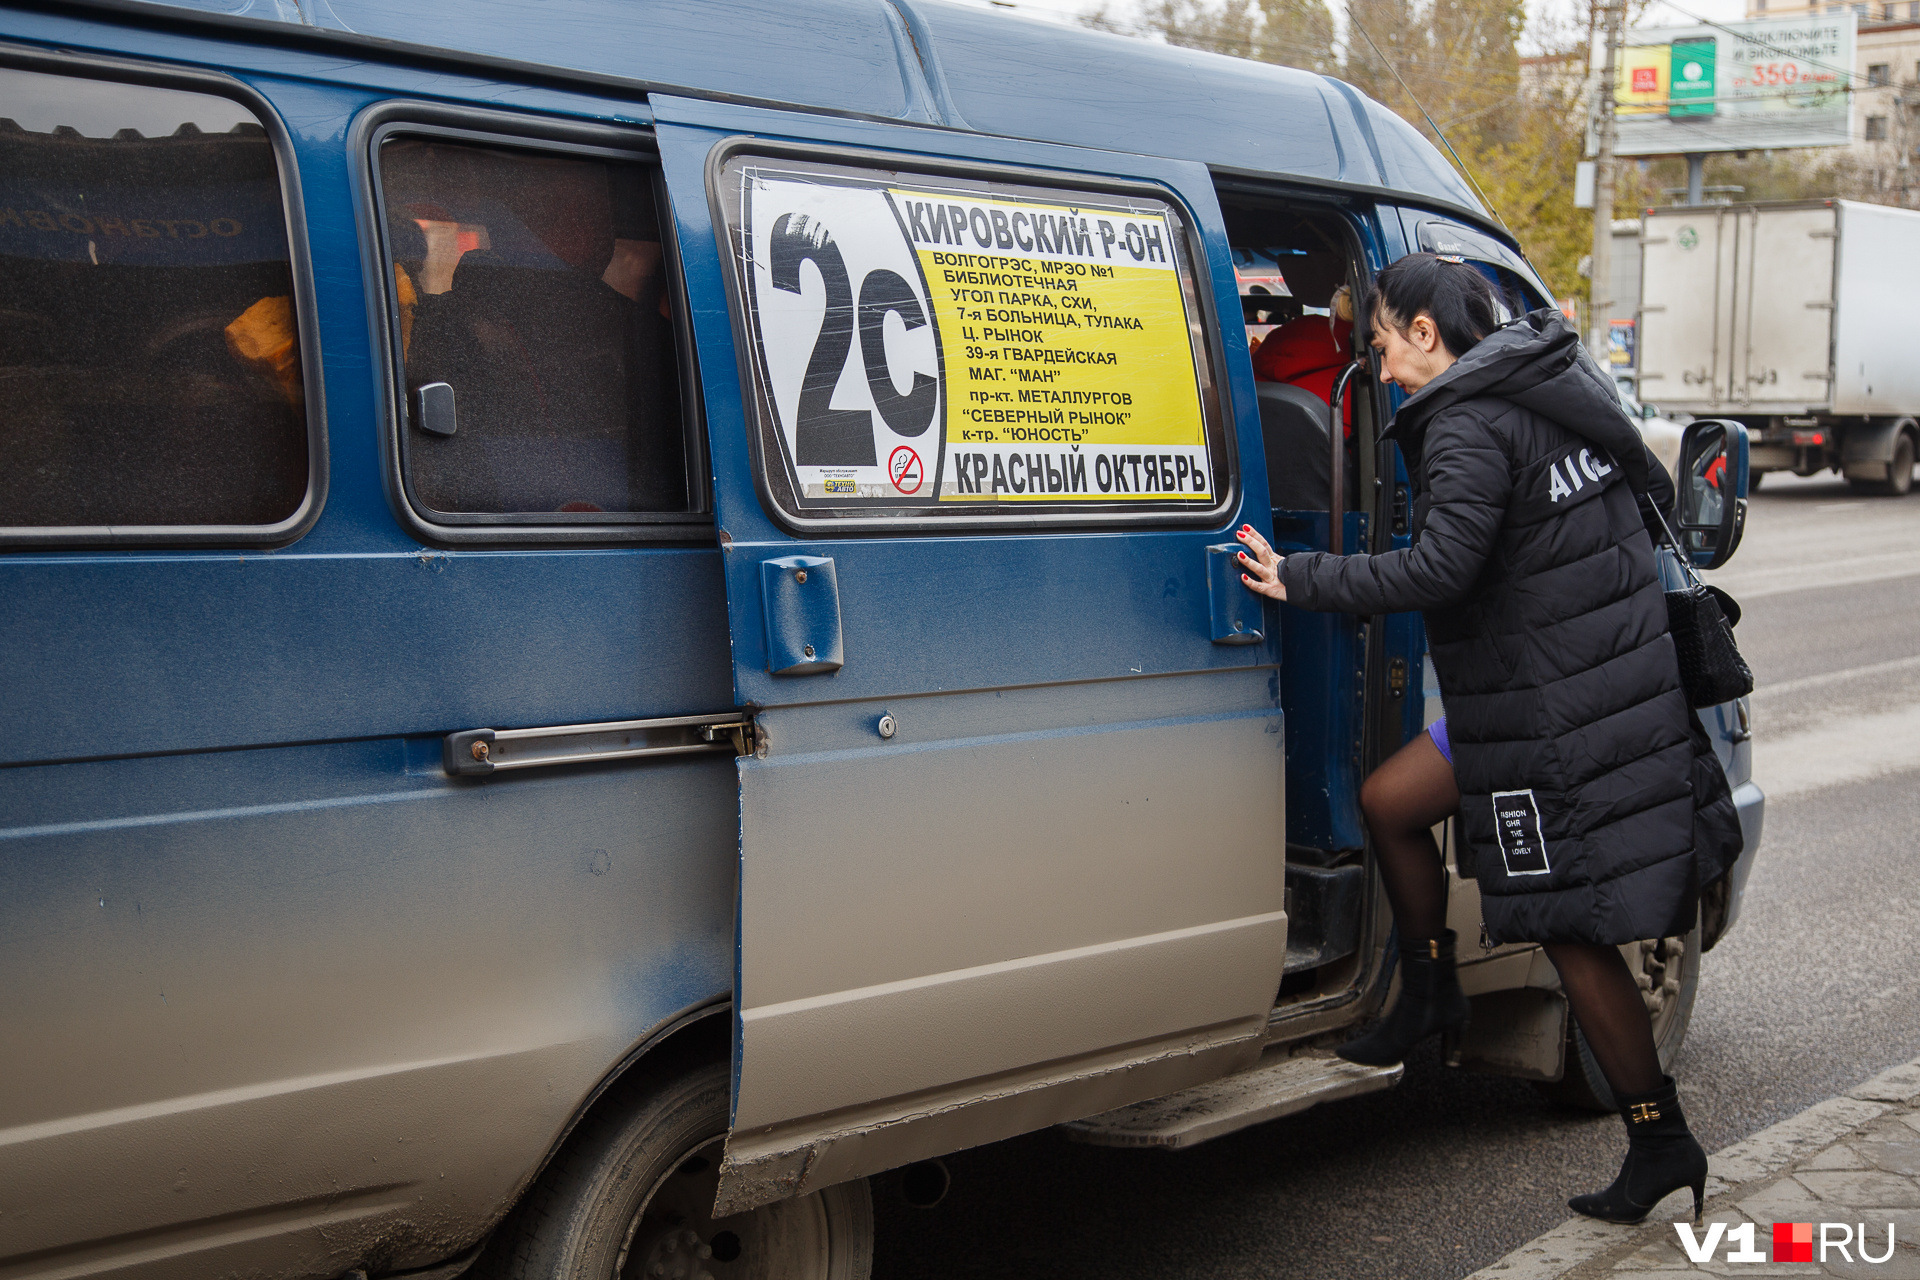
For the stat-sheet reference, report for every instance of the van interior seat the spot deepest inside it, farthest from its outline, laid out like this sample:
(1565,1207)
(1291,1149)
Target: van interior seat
(1294,425)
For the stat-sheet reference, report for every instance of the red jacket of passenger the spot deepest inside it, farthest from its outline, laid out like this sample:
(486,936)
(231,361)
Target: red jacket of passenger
(1308,352)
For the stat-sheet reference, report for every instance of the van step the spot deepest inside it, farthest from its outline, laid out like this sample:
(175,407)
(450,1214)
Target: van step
(1267,1092)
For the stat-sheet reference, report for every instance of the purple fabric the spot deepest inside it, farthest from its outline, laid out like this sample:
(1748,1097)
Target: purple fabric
(1438,732)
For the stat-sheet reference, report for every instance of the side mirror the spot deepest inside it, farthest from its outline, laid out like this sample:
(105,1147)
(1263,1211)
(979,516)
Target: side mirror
(1649,411)
(1713,490)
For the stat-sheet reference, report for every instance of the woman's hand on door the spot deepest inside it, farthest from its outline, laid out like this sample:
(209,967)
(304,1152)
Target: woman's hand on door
(1261,570)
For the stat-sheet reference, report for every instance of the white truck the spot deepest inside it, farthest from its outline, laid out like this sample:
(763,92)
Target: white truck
(1802,320)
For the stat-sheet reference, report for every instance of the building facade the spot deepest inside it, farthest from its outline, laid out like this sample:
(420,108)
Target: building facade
(1886,106)
(1877,11)
(1886,127)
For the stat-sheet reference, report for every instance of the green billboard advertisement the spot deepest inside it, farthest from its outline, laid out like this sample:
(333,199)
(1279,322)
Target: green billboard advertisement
(1691,93)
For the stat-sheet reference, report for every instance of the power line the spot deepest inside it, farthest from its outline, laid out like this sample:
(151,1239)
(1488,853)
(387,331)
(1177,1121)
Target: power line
(1440,133)
(1846,84)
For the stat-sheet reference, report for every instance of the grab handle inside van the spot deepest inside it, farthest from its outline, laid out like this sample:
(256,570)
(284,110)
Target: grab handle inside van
(1337,462)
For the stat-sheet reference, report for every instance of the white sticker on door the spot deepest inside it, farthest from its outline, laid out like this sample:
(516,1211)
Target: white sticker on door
(934,346)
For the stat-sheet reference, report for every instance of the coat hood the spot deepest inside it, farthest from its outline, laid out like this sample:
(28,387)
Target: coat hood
(1539,363)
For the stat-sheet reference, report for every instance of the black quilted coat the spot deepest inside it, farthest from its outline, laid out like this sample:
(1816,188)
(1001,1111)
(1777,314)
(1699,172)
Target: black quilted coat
(1594,808)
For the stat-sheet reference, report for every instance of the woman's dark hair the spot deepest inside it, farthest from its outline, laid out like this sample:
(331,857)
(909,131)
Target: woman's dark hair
(1453,292)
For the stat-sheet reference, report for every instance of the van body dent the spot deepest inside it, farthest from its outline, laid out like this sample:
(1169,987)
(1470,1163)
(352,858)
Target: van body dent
(595,590)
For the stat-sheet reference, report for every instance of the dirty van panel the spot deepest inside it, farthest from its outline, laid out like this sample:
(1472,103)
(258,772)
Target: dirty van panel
(328,992)
(1011,841)
(318,1004)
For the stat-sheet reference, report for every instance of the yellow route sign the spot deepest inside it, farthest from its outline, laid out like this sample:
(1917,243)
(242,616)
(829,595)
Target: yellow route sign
(1068,327)
(964,347)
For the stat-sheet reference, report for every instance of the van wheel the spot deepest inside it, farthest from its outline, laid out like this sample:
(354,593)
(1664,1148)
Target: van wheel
(1899,481)
(631,1198)
(1668,972)
(1900,475)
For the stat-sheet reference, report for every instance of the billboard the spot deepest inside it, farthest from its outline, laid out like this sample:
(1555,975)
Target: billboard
(1735,86)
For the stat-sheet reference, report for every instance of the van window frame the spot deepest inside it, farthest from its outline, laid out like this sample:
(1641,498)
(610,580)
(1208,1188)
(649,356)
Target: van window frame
(305,308)
(480,127)
(1216,399)
(1477,246)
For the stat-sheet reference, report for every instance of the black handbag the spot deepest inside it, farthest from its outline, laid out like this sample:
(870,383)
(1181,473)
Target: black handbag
(1701,619)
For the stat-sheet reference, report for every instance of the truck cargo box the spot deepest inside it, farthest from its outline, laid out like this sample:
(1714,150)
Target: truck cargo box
(1781,309)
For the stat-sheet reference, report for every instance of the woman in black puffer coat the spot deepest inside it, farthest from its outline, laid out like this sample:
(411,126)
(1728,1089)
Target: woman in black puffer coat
(1593,807)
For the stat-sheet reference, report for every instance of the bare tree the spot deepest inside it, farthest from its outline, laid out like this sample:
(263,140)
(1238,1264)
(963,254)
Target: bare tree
(1456,61)
(1291,33)
(1228,27)
(1298,33)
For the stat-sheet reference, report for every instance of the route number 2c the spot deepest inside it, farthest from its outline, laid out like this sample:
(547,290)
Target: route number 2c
(825,436)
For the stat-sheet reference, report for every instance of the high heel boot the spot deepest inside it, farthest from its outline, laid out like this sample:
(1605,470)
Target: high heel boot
(1430,1000)
(1662,1157)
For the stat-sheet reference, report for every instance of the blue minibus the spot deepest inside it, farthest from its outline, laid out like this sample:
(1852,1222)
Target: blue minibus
(619,616)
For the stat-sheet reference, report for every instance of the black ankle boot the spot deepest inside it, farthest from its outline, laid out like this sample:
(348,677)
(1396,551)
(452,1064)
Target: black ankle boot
(1662,1157)
(1430,1000)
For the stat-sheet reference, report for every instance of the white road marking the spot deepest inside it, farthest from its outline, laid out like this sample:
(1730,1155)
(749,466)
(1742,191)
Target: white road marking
(1850,750)
(1780,687)
(1875,567)
(1809,732)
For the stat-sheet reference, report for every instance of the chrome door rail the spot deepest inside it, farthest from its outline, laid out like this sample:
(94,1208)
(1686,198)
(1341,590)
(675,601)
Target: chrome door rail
(474,752)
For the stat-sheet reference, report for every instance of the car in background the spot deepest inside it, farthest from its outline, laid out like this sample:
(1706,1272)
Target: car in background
(1661,433)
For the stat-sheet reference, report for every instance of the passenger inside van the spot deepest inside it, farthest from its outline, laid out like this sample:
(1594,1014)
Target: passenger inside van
(537,289)
(146,301)
(1310,351)
(1289,278)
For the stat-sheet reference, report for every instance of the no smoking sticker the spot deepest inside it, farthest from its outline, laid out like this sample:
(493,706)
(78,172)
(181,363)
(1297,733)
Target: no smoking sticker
(903,468)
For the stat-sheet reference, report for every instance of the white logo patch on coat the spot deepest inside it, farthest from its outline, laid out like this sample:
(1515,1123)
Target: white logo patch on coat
(1516,824)
(1585,461)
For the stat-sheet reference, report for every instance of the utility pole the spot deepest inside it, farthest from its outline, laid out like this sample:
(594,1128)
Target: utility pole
(1903,136)
(1600,292)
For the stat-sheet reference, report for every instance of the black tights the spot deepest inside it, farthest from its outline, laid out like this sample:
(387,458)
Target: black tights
(1403,799)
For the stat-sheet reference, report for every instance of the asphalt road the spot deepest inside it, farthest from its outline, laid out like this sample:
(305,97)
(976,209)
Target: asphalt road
(1817,987)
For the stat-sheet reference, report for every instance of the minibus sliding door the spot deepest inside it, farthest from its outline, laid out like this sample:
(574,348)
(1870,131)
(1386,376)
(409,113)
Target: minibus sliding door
(1012,823)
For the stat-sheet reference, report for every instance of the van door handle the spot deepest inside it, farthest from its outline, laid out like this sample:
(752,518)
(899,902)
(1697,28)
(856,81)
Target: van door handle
(474,752)
(801,598)
(1236,612)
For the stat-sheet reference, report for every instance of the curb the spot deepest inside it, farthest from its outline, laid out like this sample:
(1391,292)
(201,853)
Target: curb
(1730,1172)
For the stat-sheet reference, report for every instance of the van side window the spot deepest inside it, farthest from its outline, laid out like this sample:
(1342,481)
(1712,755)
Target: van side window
(149,345)
(536,332)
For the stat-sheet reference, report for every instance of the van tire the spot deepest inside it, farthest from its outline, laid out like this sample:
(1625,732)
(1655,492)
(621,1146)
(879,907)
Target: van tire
(634,1186)
(1583,1085)
(1900,471)
(1899,481)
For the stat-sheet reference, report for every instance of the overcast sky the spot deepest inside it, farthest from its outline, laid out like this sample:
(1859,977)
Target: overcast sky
(1660,13)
